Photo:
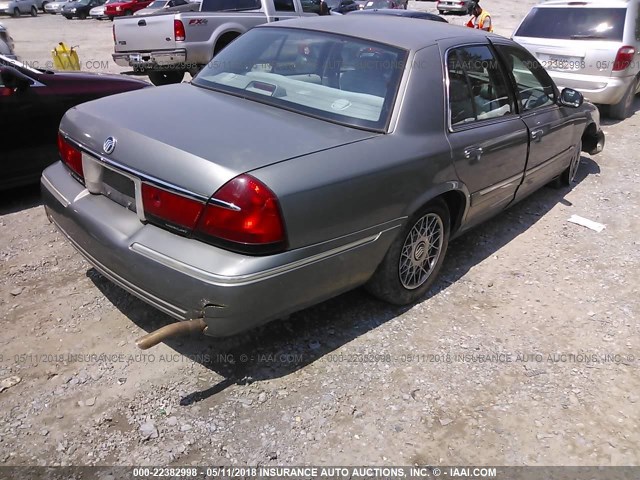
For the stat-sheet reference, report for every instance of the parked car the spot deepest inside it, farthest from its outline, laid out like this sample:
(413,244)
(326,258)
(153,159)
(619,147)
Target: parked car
(342,6)
(592,46)
(55,7)
(79,8)
(32,103)
(125,8)
(6,43)
(279,196)
(385,4)
(454,6)
(41,4)
(165,47)
(16,8)
(97,13)
(163,6)
(403,13)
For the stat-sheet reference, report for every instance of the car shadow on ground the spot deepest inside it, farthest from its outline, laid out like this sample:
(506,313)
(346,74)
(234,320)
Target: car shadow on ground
(18,199)
(285,346)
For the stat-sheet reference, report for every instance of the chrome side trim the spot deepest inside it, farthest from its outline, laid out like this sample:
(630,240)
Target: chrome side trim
(502,184)
(55,192)
(237,280)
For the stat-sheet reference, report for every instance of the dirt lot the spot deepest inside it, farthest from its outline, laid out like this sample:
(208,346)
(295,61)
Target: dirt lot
(526,352)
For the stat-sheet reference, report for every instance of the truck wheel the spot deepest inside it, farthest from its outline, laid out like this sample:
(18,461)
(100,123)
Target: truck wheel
(16,12)
(34,11)
(166,78)
(44,4)
(415,257)
(623,108)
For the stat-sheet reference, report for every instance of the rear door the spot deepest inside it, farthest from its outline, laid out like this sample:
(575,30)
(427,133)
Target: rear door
(550,127)
(487,137)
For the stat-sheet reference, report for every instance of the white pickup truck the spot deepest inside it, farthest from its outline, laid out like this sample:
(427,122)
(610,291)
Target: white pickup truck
(165,46)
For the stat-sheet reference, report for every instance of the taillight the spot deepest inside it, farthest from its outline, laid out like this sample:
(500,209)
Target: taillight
(178,31)
(623,58)
(244,213)
(71,156)
(170,210)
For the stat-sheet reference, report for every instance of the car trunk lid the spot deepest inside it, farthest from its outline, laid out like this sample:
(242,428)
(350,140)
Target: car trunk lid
(197,139)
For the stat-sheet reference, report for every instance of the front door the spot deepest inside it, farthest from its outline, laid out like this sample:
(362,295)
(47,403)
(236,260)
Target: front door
(551,147)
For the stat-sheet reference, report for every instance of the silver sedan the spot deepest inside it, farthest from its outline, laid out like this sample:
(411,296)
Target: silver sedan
(309,159)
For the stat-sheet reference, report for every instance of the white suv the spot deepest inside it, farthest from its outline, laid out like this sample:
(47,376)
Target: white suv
(592,46)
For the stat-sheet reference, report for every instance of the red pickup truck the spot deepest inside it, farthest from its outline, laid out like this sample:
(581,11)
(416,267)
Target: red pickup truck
(125,7)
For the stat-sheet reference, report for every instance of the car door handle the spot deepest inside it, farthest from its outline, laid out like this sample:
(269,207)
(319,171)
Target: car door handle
(473,153)
(537,135)
(142,23)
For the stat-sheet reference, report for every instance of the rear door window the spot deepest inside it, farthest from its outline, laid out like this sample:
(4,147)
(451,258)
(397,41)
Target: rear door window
(477,86)
(572,23)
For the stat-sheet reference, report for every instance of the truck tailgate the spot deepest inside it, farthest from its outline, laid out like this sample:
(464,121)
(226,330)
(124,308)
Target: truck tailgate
(144,33)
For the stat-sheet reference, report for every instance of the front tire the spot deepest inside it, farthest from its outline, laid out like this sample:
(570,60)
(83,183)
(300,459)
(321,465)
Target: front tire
(16,12)
(415,257)
(623,109)
(82,15)
(165,78)
(44,4)
(34,11)
(568,177)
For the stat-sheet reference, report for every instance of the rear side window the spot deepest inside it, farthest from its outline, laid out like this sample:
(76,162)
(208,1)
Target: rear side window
(574,23)
(284,6)
(477,86)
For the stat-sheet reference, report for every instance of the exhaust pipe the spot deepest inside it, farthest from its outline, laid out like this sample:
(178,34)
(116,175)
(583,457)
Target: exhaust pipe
(185,327)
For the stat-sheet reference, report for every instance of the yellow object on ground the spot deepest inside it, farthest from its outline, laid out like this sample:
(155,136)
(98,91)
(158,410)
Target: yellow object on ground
(65,58)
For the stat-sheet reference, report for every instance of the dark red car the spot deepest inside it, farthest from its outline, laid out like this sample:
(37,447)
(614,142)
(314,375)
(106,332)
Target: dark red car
(32,103)
(126,7)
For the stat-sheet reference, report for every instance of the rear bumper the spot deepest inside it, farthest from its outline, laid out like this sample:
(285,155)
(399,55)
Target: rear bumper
(157,60)
(188,279)
(596,89)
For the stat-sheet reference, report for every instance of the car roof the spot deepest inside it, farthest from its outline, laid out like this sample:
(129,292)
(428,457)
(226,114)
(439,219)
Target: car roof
(403,32)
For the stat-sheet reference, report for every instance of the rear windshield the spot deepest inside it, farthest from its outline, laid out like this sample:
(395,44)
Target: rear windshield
(333,77)
(574,23)
(229,5)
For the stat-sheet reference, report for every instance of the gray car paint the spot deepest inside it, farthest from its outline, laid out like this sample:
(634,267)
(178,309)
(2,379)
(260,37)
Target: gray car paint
(345,193)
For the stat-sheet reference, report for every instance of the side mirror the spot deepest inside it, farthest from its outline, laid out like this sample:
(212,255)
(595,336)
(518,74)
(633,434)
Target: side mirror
(571,98)
(12,78)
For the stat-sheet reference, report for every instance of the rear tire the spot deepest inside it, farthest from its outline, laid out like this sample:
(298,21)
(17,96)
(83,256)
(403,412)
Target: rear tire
(44,4)
(623,109)
(82,15)
(16,12)
(34,11)
(111,18)
(166,78)
(415,257)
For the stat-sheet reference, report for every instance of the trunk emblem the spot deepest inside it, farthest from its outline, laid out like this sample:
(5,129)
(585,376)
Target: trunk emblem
(109,145)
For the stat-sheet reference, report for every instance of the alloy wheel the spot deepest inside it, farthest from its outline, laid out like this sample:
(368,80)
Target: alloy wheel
(421,251)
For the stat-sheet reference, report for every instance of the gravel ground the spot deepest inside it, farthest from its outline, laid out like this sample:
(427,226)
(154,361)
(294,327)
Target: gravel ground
(526,351)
